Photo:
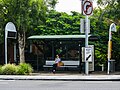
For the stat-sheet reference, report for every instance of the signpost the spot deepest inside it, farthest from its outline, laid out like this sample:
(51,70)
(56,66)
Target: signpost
(112,28)
(10,32)
(87,10)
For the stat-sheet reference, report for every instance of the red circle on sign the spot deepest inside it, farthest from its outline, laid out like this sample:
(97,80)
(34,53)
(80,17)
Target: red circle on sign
(87,5)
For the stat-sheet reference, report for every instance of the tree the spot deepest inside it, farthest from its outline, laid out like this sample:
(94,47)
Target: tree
(52,3)
(60,23)
(111,14)
(25,14)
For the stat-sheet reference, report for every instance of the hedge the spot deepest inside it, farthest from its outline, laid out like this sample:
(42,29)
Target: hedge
(12,69)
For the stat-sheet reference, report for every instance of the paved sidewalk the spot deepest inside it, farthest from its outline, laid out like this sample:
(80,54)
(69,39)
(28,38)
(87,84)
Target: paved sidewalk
(63,76)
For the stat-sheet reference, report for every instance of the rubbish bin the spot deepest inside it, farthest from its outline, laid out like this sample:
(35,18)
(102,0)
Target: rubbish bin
(112,65)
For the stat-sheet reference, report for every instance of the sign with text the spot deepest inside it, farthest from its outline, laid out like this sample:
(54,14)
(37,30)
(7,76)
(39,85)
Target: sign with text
(88,54)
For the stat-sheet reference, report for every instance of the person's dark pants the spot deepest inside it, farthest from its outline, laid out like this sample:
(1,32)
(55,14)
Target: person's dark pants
(54,66)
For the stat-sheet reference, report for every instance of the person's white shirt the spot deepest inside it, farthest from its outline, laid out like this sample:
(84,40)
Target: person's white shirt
(57,60)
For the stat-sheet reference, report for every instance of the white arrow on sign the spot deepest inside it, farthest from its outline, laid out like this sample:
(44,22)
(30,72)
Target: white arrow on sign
(88,54)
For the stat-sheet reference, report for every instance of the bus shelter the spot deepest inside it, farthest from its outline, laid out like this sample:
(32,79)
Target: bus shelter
(69,47)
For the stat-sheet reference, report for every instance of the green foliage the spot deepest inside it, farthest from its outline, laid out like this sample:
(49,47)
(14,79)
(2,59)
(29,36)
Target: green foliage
(24,69)
(9,69)
(109,14)
(52,3)
(12,69)
(0,69)
(25,14)
(59,24)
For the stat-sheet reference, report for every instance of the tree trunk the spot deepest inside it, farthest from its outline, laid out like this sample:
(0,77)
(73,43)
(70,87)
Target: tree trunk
(21,41)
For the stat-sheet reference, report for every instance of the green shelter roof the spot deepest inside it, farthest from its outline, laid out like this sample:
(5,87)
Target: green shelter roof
(57,37)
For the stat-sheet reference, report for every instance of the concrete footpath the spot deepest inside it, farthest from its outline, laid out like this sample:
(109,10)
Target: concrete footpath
(63,76)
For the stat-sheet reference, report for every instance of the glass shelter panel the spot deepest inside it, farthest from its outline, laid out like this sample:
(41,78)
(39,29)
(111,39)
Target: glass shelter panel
(67,50)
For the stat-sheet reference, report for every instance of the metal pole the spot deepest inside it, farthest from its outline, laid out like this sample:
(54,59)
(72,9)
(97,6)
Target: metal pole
(80,69)
(53,54)
(37,60)
(6,47)
(15,53)
(86,45)
(30,47)
(110,37)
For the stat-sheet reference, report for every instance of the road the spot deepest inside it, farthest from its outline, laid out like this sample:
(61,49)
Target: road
(58,85)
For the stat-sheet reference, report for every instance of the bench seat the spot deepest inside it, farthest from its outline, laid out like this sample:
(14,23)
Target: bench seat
(67,64)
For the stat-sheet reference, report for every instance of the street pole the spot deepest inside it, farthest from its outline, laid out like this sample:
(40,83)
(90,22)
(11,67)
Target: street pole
(109,46)
(86,45)
(6,32)
(87,10)
(15,61)
(112,28)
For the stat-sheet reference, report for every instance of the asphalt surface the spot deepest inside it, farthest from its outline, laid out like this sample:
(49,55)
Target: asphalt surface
(58,85)
(64,76)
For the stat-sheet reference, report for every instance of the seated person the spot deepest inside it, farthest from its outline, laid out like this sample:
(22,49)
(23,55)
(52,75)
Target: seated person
(57,60)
